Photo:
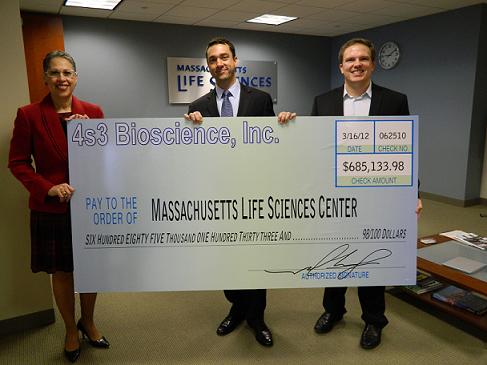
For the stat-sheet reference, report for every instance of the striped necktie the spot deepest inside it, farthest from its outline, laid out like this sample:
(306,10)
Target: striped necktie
(227,110)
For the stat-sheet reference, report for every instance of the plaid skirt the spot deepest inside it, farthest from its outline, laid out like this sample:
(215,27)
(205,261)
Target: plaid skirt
(51,247)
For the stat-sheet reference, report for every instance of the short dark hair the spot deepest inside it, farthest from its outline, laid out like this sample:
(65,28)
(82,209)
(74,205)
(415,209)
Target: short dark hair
(353,41)
(220,40)
(54,54)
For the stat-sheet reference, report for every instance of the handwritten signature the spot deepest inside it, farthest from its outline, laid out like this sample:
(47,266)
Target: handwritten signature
(337,258)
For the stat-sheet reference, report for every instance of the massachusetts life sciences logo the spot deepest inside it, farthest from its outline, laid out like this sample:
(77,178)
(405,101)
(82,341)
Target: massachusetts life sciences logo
(190,78)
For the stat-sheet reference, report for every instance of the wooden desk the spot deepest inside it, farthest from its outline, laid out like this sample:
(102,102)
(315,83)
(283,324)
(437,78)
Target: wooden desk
(457,278)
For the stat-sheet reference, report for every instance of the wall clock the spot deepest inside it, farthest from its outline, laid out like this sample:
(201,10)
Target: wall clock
(389,55)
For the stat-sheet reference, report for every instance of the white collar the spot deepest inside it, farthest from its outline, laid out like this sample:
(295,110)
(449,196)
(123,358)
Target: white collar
(234,89)
(367,92)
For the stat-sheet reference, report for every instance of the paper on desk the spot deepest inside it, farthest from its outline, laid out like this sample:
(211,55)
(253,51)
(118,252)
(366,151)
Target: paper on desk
(470,239)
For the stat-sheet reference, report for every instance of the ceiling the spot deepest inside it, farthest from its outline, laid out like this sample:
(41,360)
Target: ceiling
(315,17)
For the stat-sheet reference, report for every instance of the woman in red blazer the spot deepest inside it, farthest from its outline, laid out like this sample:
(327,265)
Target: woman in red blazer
(39,136)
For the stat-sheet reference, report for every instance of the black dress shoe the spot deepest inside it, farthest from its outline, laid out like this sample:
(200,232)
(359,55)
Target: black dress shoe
(100,343)
(370,337)
(263,334)
(72,356)
(326,322)
(228,325)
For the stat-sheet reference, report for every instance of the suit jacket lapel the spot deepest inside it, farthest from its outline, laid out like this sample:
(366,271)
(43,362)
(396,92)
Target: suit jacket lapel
(212,107)
(376,100)
(243,104)
(338,102)
(52,125)
(77,107)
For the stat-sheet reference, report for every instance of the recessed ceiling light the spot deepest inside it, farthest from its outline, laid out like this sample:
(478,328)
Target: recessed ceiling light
(271,19)
(94,4)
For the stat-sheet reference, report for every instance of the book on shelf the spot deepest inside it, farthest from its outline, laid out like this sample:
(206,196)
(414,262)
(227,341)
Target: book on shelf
(461,298)
(424,284)
(470,239)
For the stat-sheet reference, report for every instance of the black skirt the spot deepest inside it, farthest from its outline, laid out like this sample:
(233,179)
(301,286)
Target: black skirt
(51,246)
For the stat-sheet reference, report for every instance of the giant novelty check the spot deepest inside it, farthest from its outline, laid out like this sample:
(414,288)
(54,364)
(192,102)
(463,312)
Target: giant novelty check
(234,203)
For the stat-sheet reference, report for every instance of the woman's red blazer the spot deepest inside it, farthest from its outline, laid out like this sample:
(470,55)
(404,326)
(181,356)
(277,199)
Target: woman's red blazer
(39,150)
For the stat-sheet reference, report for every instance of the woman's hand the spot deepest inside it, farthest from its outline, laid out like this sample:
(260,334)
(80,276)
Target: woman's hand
(62,191)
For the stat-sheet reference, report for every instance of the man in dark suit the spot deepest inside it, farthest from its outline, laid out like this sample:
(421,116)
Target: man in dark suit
(229,99)
(360,97)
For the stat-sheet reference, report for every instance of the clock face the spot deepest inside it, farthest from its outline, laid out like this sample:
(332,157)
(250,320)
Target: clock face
(389,55)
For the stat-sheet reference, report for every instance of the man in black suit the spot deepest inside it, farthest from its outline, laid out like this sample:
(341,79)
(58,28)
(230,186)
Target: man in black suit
(360,97)
(230,98)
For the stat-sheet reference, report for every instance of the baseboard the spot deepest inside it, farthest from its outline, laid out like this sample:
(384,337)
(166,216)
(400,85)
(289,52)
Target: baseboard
(452,201)
(28,321)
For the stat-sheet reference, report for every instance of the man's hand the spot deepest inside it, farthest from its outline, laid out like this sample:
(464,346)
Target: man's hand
(285,117)
(419,207)
(195,117)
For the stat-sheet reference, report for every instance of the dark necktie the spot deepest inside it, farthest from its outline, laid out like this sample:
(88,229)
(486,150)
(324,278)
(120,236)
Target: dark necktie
(227,110)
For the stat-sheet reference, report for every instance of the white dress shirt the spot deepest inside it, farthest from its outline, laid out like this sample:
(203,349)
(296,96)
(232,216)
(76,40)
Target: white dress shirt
(357,105)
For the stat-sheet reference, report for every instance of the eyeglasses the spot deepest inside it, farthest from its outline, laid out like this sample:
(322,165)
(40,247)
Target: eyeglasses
(57,74)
